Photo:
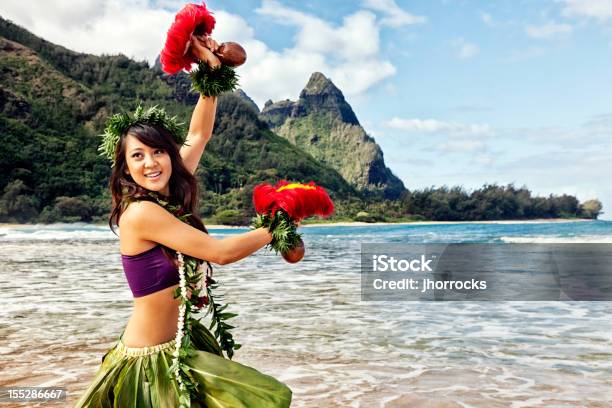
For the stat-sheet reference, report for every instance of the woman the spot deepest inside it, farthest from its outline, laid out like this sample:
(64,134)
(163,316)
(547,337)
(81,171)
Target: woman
(147,368)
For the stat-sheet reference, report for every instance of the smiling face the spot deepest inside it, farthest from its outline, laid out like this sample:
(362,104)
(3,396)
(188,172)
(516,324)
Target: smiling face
(149,167)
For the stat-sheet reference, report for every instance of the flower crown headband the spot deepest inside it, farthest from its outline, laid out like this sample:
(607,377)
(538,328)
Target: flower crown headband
(119,124)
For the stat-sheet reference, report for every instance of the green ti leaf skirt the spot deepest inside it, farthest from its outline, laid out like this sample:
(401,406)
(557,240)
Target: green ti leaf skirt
(138,377)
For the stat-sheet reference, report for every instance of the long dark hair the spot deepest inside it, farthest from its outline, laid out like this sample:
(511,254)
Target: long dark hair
(183,184)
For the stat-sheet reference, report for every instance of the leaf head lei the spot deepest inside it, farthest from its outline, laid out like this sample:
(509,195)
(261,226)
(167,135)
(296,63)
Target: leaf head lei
(119,124)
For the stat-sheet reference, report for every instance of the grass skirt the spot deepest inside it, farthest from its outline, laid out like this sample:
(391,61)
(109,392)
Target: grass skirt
(138,377)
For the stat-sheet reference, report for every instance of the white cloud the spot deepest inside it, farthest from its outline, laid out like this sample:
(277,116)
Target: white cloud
(357,78)
(593,134)
(465,49)
(348,53)
(62,13)
(600,125)
(484,159)
(461,146)
(272,75)
(231,27)
(524,54)
(97,26)
(548,31)
(394,15)
(437,126)
(597,9)
(577,172)
(487,19)
(357,36)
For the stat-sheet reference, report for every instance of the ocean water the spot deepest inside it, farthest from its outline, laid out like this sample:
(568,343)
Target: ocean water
(64,301)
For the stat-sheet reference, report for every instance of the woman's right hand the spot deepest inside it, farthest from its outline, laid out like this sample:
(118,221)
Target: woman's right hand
(202,48)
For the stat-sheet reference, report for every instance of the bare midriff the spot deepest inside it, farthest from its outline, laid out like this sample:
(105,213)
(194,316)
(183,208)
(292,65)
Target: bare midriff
(154,319)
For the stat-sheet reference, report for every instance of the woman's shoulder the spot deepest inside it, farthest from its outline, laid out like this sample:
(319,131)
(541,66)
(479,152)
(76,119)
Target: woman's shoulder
(136,217)
(140,211)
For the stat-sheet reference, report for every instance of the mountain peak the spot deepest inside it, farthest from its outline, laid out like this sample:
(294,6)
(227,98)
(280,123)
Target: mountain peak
(242,95)
(320,84)
(321,95)
(322,123)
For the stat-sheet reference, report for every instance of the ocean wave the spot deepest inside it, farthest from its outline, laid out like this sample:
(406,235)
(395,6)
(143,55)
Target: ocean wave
(556,239)
(56,232)
(73,231)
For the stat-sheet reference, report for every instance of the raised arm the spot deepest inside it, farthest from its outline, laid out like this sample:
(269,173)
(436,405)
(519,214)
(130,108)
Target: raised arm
(151,222)
(203,116)
(200,132)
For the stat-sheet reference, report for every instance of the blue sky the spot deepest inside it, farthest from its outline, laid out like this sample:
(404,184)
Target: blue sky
(455,92)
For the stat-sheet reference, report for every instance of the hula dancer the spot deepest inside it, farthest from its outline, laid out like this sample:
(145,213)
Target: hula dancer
(166,357)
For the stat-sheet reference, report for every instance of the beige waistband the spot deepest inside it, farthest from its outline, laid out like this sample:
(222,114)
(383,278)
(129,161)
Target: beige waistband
(143,351)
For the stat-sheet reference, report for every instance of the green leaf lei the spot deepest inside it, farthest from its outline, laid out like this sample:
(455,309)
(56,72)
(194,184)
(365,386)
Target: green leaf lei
(201,299)
(283,229)
(213,81)
(118,124)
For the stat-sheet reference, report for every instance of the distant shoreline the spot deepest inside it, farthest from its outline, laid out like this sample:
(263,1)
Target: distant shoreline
(535,221)
(365,224)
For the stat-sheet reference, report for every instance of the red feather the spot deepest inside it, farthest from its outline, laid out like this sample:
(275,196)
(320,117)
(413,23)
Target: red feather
(298,200)
(174,56)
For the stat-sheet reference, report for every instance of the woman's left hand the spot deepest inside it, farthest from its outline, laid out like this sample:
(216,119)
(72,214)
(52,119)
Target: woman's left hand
(203,47)
(210,43)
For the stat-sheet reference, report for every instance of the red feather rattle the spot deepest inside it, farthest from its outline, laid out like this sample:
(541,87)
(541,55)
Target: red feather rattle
(281,207)
(197,20)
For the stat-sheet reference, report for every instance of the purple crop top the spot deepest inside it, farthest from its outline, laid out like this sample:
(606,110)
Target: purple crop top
(149,271)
